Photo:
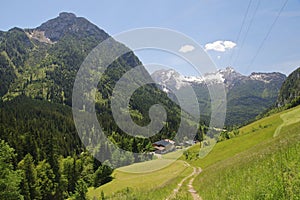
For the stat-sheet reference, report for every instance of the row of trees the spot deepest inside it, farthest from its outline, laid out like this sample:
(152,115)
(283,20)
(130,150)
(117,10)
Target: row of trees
(28,180)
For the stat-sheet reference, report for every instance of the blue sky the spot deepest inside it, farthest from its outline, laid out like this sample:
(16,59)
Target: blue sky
(208,22)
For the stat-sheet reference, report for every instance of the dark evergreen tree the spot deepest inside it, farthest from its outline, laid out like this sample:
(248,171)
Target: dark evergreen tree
(102,175)
(81,190)
(29,187)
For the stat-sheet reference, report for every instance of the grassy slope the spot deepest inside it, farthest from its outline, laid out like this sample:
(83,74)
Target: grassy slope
(255,165)
(238,167)
(250,136)
(143,185)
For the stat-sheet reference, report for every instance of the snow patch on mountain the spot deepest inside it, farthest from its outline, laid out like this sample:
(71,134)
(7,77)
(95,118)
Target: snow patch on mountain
(172,78)
(228,76)
(260,77)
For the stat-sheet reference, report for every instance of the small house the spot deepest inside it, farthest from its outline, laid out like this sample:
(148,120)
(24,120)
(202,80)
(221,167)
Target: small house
(164,146)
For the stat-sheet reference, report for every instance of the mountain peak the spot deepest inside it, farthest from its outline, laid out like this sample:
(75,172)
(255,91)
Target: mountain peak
(228,69)
(229,76)
(267,77)
(69,24)
(67,15)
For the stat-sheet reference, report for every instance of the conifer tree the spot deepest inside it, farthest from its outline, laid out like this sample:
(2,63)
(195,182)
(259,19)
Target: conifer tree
(9,178)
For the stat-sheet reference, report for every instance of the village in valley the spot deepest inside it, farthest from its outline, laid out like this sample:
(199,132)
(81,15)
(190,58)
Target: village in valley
(166,145)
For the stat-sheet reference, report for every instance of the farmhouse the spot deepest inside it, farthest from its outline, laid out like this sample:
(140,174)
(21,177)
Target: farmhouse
(164,146)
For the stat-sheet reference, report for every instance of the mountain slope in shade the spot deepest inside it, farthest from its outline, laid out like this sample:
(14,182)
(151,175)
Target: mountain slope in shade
(247,96)
(290,90)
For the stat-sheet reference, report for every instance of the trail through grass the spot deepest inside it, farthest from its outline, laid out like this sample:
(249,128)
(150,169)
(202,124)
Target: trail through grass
(253,165)
(288,119)
(188,180)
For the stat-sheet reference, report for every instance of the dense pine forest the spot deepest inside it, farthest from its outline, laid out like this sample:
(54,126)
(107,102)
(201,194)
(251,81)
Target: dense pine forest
(43,152)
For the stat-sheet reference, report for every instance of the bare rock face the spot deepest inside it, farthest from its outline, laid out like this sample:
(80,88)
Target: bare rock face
(39,36)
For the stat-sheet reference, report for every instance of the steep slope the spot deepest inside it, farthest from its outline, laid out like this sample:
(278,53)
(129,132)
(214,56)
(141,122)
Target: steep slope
(290,90)
(46,58)
(258,164)
(42,63)
(37,70)
(35,126)
(247,96)
(7,73)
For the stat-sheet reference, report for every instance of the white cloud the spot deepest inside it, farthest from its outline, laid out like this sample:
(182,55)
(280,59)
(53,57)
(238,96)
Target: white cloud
(216,46)
(186,48)
(220,46)
(229,44)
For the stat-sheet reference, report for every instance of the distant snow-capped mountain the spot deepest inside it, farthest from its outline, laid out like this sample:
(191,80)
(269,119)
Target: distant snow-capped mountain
(247,96)
(172,79)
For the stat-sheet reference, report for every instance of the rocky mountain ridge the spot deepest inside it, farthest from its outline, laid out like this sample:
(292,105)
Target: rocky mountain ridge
(247,96)
(227,76)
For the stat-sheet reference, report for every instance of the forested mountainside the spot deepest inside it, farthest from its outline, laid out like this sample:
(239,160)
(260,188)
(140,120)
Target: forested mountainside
(290,90)
(37,71)
(42,63)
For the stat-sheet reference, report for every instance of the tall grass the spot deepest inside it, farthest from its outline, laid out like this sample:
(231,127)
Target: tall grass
(268,171)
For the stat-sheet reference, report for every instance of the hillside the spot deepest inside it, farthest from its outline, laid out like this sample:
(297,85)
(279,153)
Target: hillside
(262,163)
(30,126)
(47,153)
(247,96)
(290,90)
(255,164)
(42,155)
(41,63)
(37,70)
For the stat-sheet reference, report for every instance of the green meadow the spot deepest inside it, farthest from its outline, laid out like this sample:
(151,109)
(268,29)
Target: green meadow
(153,185)
(262,162)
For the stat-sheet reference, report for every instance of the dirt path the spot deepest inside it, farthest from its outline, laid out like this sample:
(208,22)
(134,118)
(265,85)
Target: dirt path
(190,186)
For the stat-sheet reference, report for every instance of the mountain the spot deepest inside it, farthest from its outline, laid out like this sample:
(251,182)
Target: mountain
(38,67)
(290,90)
(68,24)
(41,63)
(247,96)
